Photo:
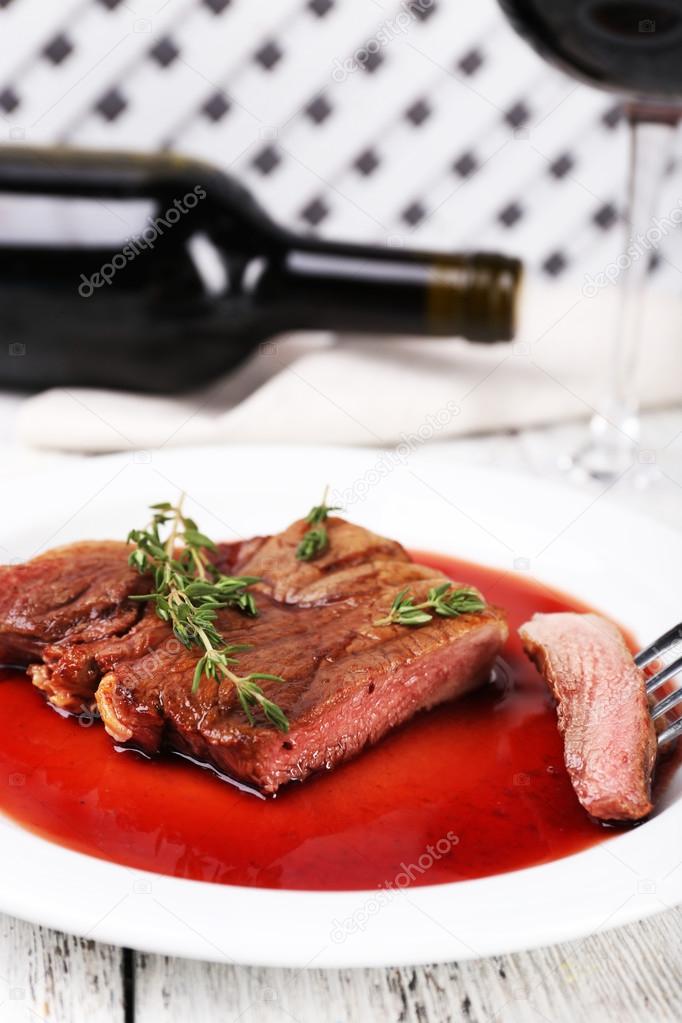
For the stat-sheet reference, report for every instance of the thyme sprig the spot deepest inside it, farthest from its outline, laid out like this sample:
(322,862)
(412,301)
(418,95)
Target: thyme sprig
(443,600)
(316,539)
(188,593)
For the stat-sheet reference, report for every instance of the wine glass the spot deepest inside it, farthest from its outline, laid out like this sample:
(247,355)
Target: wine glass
(633,47)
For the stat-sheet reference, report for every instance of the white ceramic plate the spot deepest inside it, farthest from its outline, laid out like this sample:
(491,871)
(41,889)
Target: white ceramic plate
(623,564)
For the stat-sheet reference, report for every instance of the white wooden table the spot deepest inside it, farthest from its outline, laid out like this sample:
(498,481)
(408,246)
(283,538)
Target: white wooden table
(628,975)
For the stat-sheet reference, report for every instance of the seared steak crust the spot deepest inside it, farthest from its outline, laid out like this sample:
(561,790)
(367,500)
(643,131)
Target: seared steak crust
(70,609)
(347,682)
(609,738)
(72,594)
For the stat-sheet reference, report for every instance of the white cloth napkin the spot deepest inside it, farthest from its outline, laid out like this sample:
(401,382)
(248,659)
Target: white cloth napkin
(379,391)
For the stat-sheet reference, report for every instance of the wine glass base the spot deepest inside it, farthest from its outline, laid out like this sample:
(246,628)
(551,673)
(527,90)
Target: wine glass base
(598,463)
(610,451)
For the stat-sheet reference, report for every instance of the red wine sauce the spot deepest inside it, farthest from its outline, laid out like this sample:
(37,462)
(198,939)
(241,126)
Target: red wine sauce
(474,788)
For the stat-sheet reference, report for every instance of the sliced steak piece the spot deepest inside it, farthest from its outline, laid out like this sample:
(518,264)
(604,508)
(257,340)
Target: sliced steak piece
(338,572)
(70,672)
(70,608)
(347,681)
(73,594)
(609,738)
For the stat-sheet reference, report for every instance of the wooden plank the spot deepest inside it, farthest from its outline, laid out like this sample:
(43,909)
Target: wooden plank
(626,976)
(57,977)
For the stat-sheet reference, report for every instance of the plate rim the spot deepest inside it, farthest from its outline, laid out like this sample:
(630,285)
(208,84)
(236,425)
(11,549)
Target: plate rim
(368,953)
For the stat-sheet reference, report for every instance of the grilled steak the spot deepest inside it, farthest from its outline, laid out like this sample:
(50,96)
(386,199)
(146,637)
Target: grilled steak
(70,609)
(347,682)
(71,594)
(609,738)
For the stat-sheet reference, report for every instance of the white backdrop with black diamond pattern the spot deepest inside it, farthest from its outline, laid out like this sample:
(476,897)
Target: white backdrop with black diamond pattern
(406,122)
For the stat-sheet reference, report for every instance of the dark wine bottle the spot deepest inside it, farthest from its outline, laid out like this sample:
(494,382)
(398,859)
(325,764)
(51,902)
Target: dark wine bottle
(208,277)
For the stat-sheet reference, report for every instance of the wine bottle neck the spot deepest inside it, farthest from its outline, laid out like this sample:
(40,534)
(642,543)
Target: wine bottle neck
(372,288)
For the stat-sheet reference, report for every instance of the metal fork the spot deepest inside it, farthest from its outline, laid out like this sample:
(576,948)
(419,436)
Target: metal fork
(660,646)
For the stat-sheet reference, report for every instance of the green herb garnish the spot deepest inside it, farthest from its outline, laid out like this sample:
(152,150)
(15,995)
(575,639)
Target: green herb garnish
(188,593)
(316,539)
(442,600)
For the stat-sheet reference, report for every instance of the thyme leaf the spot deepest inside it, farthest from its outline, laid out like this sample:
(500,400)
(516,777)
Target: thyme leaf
(443,600)
(316,539)
(189,592)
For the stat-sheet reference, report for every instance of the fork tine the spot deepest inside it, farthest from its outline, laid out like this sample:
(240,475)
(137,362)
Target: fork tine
(659,646)
(663,675)
(672,732)
(663,706)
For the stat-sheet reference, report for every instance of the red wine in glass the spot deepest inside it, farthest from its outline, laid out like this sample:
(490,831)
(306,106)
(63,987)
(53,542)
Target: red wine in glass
(631,46)
(634,48)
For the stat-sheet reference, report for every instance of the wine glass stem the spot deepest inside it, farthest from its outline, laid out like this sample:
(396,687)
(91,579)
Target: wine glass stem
(615,430)
(650,145)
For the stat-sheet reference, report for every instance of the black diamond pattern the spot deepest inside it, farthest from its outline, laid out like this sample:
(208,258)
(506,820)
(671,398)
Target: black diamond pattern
(366,163)
(272,49)
(555,264)
(217,6)
(511,214)
(216,106)
(422,9)
(612,117)
(59,49)
(111,105)
(9,100)
(470,62)
(267,160)
(370,61)
(320,7)
(606,216)
(562,166)
(164,52)
(319,110)
(413,214)
(268,55)
(465,165)
(418,112)
(315,212)
(517,115)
